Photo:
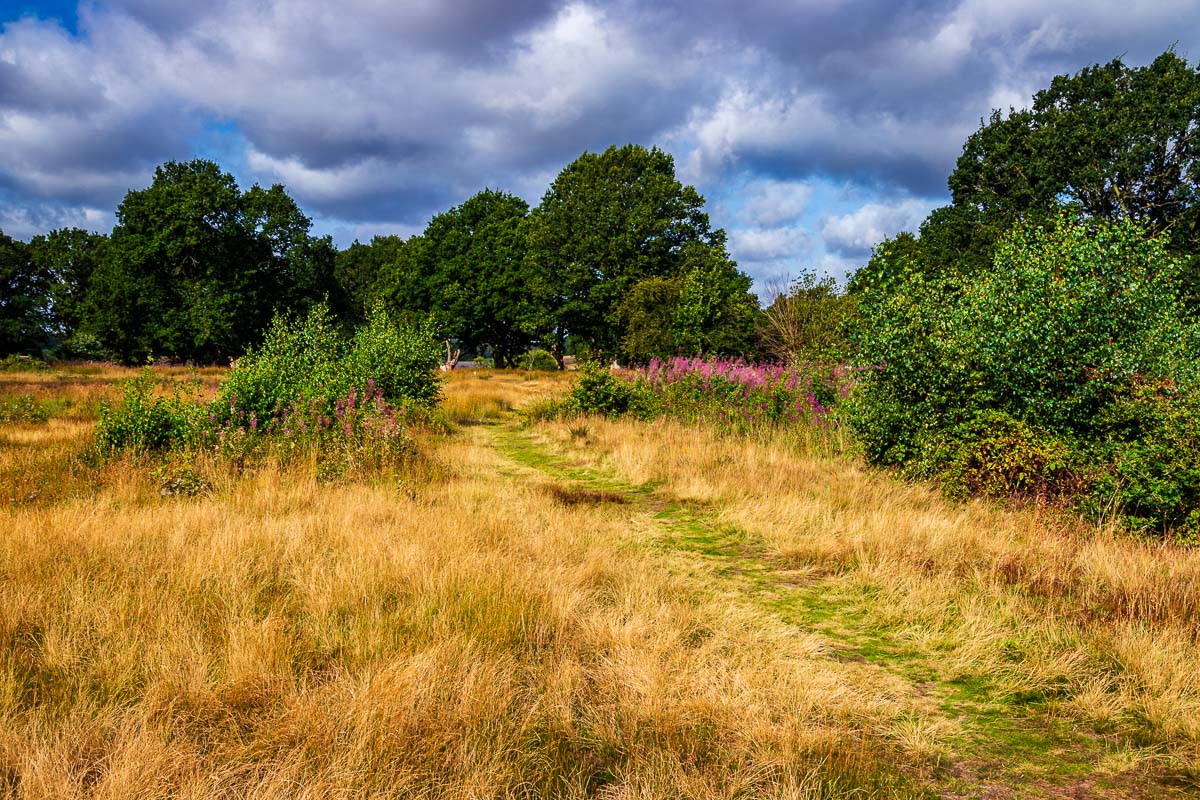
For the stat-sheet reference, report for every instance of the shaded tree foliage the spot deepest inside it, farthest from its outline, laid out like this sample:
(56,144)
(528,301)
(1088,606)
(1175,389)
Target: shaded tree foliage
(24,309)
(475,263)
(705,308)
(608,221)
(360,268)
(67,258)
(195,269)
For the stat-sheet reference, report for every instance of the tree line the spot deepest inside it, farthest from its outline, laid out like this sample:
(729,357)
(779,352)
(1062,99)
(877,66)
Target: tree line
(619,260)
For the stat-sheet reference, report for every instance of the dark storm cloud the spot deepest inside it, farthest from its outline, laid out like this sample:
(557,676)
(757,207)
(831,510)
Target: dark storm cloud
(377,111)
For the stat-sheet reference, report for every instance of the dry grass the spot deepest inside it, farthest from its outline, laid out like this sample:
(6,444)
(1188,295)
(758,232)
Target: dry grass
(485,395)
(1094,625)
(484,628)
(471,636)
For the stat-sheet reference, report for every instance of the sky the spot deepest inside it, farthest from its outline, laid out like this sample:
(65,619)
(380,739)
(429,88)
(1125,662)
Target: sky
(814,128)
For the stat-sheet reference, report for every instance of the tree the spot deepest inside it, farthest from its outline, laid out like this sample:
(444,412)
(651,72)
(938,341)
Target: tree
(359,271)
(24,311)
(807,321)
(474,258)
(195,269)
(647,316)
(716,312)
(608,221)
(1113,141)
(68,258)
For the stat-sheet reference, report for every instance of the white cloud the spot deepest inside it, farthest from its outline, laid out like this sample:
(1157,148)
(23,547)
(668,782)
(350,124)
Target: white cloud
(766,244)
(859,231)
(769,202)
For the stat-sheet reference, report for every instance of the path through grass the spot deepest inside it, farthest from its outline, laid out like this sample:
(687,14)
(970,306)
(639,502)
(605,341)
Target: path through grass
(968,738)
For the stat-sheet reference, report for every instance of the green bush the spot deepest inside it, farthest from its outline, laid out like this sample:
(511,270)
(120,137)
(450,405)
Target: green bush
(982,381)
(307,361)
(22,408)
(600,391)
(994,455)
(1151,451)
(300,359)
(20,363)
(145,420)
(1064,318)
(539,360)
(402,360)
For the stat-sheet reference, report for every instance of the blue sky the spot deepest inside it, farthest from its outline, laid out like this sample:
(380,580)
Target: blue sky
(814,127)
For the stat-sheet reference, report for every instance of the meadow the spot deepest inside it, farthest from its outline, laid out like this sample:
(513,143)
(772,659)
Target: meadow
(567,607)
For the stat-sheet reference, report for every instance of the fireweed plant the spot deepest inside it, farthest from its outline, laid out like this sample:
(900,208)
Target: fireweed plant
(306,393)
(735,395)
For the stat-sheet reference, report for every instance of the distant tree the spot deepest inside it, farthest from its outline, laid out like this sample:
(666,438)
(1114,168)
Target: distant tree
(608,221)
(295,269)
(68,258)
(706,308)
(647,317)
(474,258)
(716,312)
(195,268)
(358,270)
(24,310)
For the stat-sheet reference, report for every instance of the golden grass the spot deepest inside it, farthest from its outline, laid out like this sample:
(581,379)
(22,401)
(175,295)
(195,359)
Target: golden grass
(1100,627)
(473,636)
(485,395)
(483,627)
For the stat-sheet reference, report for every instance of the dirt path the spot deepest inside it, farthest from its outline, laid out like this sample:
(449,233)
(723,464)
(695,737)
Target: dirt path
(975,742)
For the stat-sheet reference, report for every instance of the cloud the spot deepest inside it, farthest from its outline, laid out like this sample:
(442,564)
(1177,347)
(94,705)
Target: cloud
(854,234)
(771,202)
(379,112)
(767,244)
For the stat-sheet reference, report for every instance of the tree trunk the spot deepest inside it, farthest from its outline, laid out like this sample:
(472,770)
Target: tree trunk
(558,348)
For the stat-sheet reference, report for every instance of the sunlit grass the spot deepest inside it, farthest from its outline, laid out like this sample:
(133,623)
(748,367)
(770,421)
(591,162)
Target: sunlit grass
(585,608)
(467,635)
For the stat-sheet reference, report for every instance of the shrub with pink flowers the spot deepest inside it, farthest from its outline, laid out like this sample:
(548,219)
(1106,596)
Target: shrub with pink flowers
(308,390)
(361,431)
(733,393)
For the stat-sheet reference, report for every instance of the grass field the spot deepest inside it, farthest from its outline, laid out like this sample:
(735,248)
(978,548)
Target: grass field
(586,608)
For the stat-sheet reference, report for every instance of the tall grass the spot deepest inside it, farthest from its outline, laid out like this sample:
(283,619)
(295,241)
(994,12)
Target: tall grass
(460,635)
(1101,626)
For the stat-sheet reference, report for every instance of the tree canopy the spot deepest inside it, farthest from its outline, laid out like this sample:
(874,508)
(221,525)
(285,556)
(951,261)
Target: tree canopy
(195,268)
(609,221)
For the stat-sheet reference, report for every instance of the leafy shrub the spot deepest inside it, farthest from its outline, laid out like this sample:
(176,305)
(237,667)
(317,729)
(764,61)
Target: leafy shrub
(402,361)
(299,360)
(1053,345)
(306,361)
(306,391)
(1152,453)
(539,360)
(1065,317)
(20,363)
(22,408)
(146,420)
(995,455)
(599,391)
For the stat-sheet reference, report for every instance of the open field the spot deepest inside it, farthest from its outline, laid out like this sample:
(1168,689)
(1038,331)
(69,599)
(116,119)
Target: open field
(587,608)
